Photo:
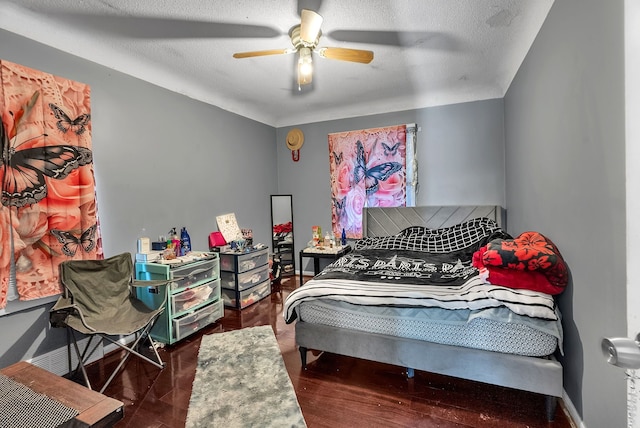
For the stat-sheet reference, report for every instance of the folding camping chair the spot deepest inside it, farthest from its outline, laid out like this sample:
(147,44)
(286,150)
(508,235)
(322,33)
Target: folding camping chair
(98,301)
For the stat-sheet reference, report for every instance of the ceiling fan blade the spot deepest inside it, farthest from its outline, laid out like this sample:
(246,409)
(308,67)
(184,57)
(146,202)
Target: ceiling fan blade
(263,53)
(344,54)
(310,26)
(142,27)
(416,39)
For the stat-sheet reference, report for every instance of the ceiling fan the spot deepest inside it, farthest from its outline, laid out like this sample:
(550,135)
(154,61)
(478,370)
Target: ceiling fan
(305,38)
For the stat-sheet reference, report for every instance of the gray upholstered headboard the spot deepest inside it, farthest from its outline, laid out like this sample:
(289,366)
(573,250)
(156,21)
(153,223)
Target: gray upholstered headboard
(389,221)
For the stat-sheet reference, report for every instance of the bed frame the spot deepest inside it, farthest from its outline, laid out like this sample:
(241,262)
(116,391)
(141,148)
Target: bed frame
(539,375)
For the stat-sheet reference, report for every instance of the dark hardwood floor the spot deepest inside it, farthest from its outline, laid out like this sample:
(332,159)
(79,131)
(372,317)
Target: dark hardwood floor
(334,391)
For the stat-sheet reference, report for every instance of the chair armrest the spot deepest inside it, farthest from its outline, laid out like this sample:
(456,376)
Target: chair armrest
(151,283)
(155,283)
(61,310)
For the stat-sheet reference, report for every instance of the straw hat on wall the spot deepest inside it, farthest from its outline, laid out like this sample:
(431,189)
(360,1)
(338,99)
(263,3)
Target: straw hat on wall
(295,139)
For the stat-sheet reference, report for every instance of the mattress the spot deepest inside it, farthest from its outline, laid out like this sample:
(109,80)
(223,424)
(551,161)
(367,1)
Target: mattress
(494,329)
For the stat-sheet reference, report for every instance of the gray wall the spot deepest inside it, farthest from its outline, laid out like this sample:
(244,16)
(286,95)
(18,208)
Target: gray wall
(458,144)
(161,160)
(565,168)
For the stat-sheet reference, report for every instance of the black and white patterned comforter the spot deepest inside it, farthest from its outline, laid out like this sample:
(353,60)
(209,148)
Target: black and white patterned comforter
(420,268)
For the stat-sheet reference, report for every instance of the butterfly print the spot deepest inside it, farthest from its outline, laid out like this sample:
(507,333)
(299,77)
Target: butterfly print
(337,158)
(372,176)
(24,170)
(71,243)
(390,150)
(339,204)
(65,123)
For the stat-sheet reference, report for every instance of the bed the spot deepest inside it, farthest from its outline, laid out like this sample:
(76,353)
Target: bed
(428,305)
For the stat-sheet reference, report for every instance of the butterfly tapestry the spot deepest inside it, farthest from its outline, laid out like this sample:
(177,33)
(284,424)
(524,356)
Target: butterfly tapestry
(367,169)
(48,195)
(24,169)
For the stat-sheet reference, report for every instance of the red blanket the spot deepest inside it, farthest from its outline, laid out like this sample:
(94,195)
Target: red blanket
(530,261)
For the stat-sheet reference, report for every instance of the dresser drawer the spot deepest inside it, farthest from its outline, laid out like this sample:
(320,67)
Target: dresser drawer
(192,297)
(243,262)
(242,299)
(190,323)
(194,274)
(242,281)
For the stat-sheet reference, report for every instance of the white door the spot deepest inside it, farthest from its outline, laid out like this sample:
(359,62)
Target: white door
(632,113)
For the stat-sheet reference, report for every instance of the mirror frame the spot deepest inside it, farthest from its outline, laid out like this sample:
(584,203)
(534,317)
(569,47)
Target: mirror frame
(281,213)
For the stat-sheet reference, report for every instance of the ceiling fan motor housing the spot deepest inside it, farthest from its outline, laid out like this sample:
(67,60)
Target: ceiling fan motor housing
(297,41)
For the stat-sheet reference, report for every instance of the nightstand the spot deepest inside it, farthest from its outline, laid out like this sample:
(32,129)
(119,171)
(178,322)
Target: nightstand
(317,253)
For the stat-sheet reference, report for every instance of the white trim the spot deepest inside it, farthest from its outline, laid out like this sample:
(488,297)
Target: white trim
(411,162)
(575,419)
(632,155)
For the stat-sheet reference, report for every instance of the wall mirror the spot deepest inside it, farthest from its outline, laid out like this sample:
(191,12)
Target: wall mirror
(282,235)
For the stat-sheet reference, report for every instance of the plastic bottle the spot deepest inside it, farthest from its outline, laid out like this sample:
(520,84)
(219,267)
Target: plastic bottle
(327,239)
(343,240)
(185,242)
(175,242)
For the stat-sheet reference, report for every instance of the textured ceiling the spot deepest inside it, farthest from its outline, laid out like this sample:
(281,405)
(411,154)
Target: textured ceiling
(427,52)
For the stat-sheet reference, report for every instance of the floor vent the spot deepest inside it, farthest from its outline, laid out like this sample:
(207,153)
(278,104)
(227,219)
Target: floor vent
(57,361)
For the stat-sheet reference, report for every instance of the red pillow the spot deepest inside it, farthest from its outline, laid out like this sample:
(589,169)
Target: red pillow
(531,251)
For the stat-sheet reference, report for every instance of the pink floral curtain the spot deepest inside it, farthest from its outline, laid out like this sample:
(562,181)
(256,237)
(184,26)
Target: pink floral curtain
(367,168)
(48,208)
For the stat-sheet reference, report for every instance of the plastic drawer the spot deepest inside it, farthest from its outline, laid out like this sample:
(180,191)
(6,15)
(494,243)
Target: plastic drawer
(246,297)
(190,323)
(228,297)
(242,281)
(239,263)
(194,274)
(192,297)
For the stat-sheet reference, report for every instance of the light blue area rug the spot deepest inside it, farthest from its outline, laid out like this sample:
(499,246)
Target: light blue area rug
(241,381)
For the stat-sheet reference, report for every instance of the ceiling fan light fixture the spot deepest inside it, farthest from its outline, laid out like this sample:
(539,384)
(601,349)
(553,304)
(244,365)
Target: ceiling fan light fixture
(305,66)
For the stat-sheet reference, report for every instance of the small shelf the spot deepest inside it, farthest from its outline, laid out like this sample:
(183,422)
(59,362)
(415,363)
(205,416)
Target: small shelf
(283,252)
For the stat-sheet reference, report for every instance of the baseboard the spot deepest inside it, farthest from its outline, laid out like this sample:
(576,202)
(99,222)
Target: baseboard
(570,409)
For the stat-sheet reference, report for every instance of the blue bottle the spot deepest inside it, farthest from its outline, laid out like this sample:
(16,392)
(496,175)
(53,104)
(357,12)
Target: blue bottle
(343,239)
(185,241)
